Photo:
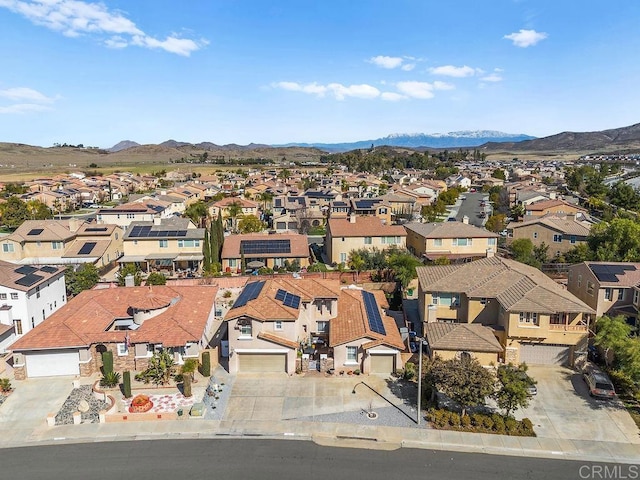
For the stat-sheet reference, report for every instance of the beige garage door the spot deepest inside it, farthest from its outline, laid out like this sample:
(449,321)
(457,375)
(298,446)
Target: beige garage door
(262,362)
(539,354)
(382,363)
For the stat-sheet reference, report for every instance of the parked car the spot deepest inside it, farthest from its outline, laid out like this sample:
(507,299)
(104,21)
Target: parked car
(599,384)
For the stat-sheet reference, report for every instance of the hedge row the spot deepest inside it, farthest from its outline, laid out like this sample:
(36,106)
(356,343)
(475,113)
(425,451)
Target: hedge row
(480,423)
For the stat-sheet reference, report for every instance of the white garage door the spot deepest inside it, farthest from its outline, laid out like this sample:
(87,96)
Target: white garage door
(540,354)
(52,363)
(382,364)
(262,362)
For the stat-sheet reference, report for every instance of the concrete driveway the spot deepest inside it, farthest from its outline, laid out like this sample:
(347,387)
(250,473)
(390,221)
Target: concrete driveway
(24,414)
(563,409)
(280,397)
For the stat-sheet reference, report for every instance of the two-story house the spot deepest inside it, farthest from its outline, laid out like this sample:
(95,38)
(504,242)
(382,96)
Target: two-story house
(131,322)
(555,206)
(610,288)
(347,234)
(142,211)
(457,241)
(533,318)
(172,245)
(28,296)
(273,321)
(264,250)
(560,233)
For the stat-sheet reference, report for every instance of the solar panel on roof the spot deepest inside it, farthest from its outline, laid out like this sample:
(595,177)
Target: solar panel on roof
(250,292)
(280,294)
(87,248)
(373,313)
(182,233)
(29,280)
(35,231)
(610,273)
(25,270)
(97,229)
(48,269)
(291,300)
(249,247)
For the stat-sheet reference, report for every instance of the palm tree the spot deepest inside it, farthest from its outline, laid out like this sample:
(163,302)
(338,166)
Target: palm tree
(235,211)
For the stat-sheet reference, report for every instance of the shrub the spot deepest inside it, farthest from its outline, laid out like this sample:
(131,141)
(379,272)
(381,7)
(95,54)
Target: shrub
(526,428)
(498,424)
(454,419)
(186,385)
(205,366)
(441,418)
(5,385)
(409,371)
(487,422)
(110,380)
(465,422)
(189,366)
(511,424)
(226,294)
(126,384)
(107,362)
(476,420)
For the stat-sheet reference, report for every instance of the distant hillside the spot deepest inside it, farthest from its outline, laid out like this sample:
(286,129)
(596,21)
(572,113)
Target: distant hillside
(460,139)
(613,140)
(123,145)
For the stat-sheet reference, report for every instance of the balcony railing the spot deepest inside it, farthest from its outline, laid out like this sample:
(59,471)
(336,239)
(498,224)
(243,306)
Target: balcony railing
(567,328)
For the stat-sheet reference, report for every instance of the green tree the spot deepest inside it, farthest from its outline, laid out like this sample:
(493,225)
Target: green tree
(499,173)
(624,195)
(611,334)
(513,387)
(129,269)
(496,223)
(156,278)
(517,211)
(251,224)
(403,265)
(463,380)
(85,277)
(197,212)
(579,253)
(234,210)
(541,253)
(160,368)
(615,241)
(38,210)
(522,250)
(357,263)
(14,212)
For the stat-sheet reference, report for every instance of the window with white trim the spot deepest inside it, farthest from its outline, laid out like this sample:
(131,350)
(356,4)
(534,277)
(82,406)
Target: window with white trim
(462,242)
(7,247)
(277,325)
(368,240)
(608,294)
(57,245)
(3,296)
(492,242)
(322,327)
(352,354)
(245,330)
(122,349)
(529,318)
(163,243)
(14,296)
(17,326)
(343,257)
(437,242)
(590,288)
(636,296)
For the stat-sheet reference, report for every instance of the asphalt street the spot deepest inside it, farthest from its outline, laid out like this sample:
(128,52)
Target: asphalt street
(471,208)
(244,459)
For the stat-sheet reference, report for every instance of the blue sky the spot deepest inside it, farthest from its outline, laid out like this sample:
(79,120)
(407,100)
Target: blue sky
(278,71)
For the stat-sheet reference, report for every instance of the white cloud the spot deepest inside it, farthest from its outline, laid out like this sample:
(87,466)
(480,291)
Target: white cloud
(438,85)
(73,18)
(422,90)
(392,96)
(526,38)
(492,77)
(386,62)
(453,71)
(339,91)
(408,67)
(25,100)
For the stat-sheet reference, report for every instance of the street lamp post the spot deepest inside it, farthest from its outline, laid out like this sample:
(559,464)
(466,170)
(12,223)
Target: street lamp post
(420,380)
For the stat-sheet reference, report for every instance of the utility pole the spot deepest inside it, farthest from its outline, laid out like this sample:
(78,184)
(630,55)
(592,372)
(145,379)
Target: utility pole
(420,381)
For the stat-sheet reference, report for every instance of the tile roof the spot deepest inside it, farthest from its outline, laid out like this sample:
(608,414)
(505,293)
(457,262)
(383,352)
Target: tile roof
(461,336)
(352,321)
(99,249)
(270,337)
(299,245)
(624,278)
(556,202)
(449,230)
(368,226)
(52,230)
(518,287)
(9,275)
(568,225)
(265,307)
(84,320)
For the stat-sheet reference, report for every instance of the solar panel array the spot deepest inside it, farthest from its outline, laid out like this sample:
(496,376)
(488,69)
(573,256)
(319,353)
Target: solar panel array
(87,248)
(365,204)
(250,292)
(95,229)
(253,247)
(29,280)
(288,299)
(147,232)
(609,273)
(25,270)
(35,231)
(48,269)
(373,313)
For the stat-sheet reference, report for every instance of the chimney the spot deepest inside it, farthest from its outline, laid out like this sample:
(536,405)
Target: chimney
(552,195)
(465,220)
(490,252)
(129,281)
(157,220)
(352,218)
(74,224)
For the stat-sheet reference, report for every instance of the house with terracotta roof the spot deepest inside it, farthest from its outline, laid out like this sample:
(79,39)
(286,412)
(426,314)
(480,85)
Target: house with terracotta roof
(347,234)
(533,318)
(264,250)
(610,288)
(131,322)
(554,205)
(222,207)
(59,242)
(28,296)
(457,241)
(559,232)
(141,211)
(274,321)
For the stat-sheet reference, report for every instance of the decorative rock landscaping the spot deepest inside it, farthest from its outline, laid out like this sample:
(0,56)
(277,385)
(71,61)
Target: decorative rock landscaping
(215,398)
(72,404)
(163,403)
